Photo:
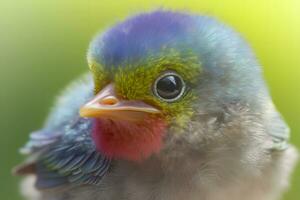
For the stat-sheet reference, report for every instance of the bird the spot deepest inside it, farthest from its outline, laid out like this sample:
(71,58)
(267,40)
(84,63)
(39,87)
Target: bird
(174,106)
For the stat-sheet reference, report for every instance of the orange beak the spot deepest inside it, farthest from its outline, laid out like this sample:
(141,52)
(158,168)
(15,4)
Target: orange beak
(106,104)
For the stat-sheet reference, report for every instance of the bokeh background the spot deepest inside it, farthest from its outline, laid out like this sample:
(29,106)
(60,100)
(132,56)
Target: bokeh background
(43,46)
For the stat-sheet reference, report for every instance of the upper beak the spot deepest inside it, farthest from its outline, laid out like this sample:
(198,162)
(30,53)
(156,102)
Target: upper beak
(106,104)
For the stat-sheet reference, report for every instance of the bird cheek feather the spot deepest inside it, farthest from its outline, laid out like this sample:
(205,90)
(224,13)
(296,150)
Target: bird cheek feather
(129,140)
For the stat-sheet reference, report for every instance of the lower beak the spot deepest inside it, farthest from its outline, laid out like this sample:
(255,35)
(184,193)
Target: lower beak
(106,104)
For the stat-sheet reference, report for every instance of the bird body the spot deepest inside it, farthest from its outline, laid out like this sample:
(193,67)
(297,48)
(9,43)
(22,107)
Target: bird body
(175,108)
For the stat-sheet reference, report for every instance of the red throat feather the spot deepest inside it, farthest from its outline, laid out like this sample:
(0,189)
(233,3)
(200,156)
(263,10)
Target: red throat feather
(128,140)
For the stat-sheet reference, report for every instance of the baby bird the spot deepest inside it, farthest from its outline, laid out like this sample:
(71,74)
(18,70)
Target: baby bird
(175,107)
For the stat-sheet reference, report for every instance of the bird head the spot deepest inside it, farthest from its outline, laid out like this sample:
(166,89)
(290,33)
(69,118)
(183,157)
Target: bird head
(155,73)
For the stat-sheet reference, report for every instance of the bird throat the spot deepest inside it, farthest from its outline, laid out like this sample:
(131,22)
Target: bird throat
(129,140)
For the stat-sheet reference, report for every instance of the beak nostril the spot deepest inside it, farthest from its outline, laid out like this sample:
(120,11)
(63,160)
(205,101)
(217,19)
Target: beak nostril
(110,100)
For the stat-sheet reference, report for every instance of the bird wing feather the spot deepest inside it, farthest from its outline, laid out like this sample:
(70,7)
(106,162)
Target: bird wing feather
(277,128)
(64,152)
(74,159)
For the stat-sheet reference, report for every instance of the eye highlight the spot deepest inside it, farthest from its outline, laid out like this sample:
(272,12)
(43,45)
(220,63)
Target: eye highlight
(169,87)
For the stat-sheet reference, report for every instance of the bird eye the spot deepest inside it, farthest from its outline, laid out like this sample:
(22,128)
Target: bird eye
(169,87)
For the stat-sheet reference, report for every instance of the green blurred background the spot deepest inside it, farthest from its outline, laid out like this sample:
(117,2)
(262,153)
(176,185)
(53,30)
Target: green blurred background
(43,46)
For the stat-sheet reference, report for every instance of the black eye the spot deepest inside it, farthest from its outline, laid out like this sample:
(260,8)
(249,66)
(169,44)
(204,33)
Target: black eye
(169,87)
